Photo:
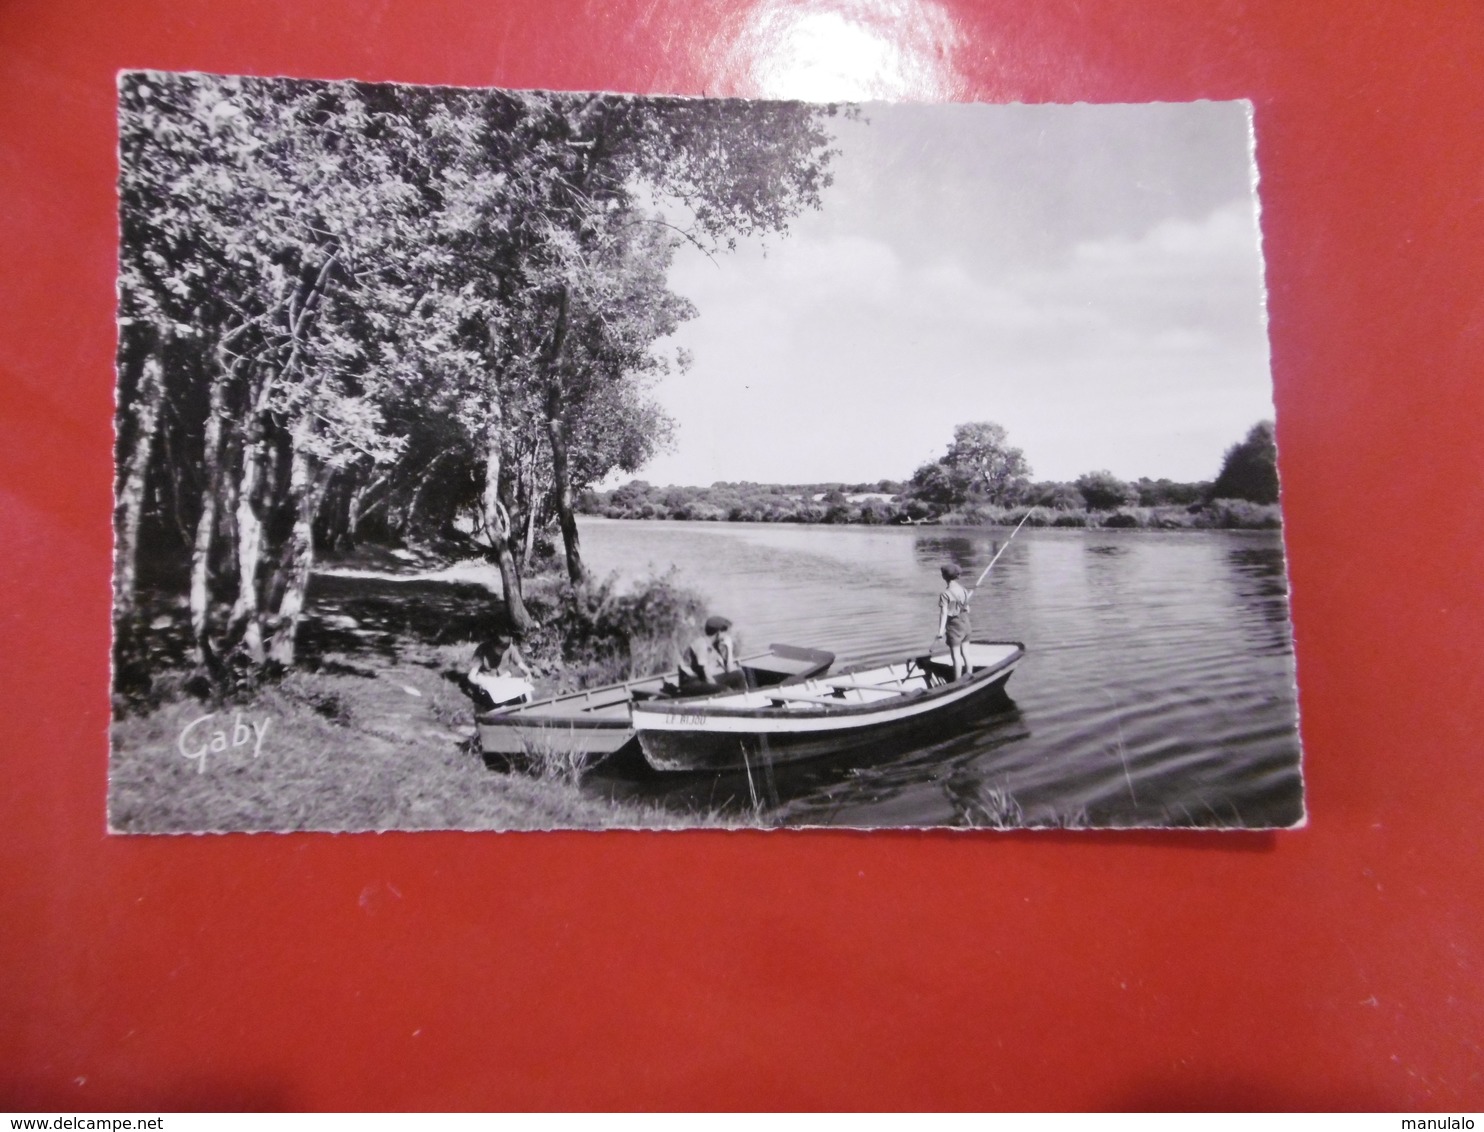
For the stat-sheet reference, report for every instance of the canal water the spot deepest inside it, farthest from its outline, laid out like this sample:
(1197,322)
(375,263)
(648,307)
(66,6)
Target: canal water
(1157,687)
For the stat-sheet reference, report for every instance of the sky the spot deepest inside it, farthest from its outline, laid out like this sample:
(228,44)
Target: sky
(1088,276)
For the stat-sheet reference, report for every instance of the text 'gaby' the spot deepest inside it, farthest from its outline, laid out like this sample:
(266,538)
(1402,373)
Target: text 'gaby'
(196,742)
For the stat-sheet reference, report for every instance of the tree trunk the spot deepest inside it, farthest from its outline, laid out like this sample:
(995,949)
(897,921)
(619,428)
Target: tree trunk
(246,614)
(528,502)
(497,530)
(530,539)
(134,482)
(561,483)
(561,495)
(362,504)
(212,456)
(298,560)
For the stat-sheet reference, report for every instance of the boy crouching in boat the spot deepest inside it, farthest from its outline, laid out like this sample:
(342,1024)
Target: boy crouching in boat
(500,673)
(709,663)
(953,619)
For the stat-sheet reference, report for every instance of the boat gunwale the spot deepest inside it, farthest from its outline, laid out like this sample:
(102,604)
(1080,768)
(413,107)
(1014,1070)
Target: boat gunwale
(710,705)
(523,715)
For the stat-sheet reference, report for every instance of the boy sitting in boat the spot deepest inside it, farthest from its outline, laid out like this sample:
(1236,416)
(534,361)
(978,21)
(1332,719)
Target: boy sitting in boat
(953,619)
(709,663)
(500,673)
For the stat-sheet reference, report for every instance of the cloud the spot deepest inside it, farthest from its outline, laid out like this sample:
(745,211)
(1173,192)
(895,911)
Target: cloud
(833,358)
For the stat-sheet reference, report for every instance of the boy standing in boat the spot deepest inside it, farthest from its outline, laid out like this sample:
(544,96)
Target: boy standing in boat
(953,619)
(709,663)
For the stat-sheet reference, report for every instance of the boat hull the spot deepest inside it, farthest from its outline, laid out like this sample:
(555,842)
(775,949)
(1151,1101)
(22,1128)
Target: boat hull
(699,738)
(555,737)
(597,722)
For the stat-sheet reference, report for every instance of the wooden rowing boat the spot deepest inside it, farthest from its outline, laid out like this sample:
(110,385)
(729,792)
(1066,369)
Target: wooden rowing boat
(596,721)
(911,698)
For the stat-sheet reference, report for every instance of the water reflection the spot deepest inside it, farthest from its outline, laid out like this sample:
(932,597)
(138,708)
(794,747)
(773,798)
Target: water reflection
(1157,689)
(939,550)
(855,787)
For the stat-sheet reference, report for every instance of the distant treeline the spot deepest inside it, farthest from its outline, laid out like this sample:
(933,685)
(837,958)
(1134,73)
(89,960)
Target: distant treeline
(1156,503)
(956,490)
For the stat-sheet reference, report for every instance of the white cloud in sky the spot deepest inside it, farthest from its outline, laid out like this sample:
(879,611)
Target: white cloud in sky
(834,360)
(850,349)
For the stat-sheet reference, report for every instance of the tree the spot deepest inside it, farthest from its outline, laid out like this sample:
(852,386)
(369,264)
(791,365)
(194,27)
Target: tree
(1249,469)
(1166,492)
(935,483)
(1104,491)
(583,267)
(1060,496)
(989,468)
(979,465)
(258,217)
(417,312)
(632,494)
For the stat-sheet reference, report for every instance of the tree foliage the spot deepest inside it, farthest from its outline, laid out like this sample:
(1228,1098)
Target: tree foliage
(979,466)
(351,310)
(1250,468)
(1104,491)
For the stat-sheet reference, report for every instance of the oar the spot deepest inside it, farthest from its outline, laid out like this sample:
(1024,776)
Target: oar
(1002,550)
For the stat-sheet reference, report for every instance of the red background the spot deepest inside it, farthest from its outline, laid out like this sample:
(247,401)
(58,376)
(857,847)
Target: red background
(1338,966)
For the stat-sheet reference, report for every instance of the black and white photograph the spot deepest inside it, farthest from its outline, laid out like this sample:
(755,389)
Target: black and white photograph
(524,460)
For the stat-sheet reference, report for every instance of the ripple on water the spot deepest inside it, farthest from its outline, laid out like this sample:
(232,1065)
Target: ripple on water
(1157,687)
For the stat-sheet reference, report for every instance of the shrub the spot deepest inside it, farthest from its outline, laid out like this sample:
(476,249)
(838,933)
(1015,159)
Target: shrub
(1070,519)
(1249,471)
(971,515)
(1172,518)
(1164,492)
(839,513)
(1104,491)
(1122,519)
(1061,496)
(1238,514)
(1033,516)
(602,635)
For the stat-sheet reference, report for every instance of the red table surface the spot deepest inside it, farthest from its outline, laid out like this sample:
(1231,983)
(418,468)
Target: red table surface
(1338,966)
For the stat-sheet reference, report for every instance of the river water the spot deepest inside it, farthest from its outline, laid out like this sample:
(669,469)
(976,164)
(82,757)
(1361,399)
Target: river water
(1157,687)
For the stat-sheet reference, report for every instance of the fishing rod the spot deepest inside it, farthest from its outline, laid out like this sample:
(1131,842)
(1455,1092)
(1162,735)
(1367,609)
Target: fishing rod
(1002,550)
(992,561)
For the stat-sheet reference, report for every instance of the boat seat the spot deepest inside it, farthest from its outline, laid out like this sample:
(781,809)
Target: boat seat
(884,688)
(866,694)
(827,701)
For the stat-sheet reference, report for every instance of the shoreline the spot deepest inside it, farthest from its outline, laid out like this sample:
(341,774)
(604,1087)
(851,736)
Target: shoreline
(374,731)
(1247,517)
(338,753)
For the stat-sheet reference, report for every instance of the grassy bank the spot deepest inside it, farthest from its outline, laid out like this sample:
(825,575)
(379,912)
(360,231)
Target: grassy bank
(373,731)
(1219,514)
(1222,514)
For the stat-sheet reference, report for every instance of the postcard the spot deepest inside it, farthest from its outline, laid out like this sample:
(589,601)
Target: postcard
(521,460)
